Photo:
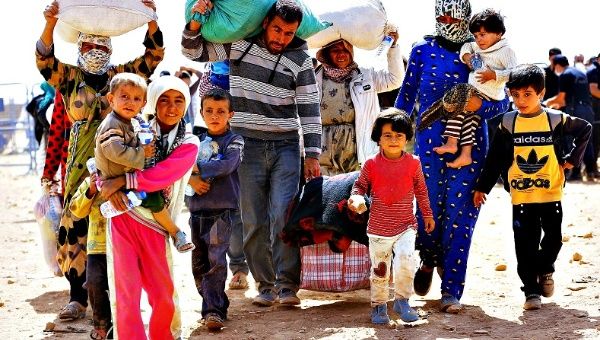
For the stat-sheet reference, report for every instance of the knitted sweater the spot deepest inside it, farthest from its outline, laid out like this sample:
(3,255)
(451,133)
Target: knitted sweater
(498,57)
(392,185)
(273,95)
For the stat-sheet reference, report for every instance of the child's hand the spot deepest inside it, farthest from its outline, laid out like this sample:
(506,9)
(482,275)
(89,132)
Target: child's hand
(567,166)
(479,198)
(467,59)
(200,187)
(149,150)
(429,224)
(93,189)
(486,75)
(356,203)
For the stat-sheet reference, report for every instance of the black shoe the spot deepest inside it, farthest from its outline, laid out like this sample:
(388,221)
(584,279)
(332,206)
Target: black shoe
(422,281)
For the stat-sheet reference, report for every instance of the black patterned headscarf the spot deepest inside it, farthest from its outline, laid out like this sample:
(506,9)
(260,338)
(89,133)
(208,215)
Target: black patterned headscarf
(457,9)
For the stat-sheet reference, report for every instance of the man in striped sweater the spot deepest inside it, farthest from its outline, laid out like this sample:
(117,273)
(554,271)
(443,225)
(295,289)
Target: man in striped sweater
(274,92)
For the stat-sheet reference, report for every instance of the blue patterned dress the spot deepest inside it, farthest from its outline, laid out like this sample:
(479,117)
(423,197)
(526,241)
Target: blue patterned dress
(432,70)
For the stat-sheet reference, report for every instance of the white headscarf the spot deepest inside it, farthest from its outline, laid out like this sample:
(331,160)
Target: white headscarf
(160,86)
(94,61)
(457,9)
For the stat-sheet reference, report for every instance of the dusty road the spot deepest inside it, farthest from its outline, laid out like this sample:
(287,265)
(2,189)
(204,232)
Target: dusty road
(30,296)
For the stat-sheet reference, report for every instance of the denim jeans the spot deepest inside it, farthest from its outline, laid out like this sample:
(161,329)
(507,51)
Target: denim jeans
(269,176)
(210,233)
(97,288)
(237,259)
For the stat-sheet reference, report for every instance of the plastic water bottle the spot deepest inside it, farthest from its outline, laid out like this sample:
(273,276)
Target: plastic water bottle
(135,199)
(91,165)
(476,62)
(205,152)
(145,134)
(385,45)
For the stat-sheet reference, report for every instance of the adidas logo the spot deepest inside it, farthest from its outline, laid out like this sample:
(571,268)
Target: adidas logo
(532,164)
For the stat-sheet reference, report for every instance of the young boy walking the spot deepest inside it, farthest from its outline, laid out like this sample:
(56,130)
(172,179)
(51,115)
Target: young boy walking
(528,151)
(392,178)
(217,195)
(118,150)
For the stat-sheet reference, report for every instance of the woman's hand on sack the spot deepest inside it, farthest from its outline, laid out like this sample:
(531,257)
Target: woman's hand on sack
(150,4)
(111,186)
(202,6)
(50,13)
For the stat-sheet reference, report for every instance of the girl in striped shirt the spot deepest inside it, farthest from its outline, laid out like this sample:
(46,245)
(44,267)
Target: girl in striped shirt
(392,179)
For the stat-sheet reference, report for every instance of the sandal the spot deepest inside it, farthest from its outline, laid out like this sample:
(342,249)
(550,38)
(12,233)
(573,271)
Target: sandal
(181,242)
(72,311)
(239,281)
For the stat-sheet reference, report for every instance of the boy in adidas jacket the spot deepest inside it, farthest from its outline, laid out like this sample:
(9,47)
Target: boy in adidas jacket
(531,150)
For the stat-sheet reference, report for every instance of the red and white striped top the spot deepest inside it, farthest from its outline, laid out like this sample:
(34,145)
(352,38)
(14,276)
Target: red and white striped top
(393,184)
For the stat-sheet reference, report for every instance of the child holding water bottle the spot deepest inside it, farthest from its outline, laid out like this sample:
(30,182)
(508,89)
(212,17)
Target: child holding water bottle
(490,59)
(118,149)
(217,194)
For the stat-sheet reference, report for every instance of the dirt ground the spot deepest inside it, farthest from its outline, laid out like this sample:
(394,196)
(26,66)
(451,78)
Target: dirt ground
(30,296)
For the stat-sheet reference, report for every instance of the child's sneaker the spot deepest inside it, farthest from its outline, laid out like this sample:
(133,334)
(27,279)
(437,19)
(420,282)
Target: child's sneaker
(181,242)
(532,302)
(406,312)
(546,284)
(214,322)
(379,315)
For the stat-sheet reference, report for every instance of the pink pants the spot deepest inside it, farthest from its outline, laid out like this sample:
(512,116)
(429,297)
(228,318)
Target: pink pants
(139,257)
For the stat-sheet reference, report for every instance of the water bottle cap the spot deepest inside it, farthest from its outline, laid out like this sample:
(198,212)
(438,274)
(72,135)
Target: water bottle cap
(142,195)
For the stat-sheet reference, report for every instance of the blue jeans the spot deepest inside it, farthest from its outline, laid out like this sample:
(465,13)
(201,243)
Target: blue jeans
(269,176)
(237,259)
(210,233)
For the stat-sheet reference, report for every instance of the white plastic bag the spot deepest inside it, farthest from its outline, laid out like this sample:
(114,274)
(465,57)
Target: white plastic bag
(47,211)
(103,17)
(363,23)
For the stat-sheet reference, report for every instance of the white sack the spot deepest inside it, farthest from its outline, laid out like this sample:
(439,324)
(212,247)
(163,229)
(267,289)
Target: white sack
(104,17)
(363,23)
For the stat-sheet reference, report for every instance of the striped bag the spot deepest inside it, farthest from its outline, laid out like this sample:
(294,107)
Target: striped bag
(324,270)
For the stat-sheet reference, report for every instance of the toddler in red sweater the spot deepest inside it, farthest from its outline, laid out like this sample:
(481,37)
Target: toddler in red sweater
(392,179)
